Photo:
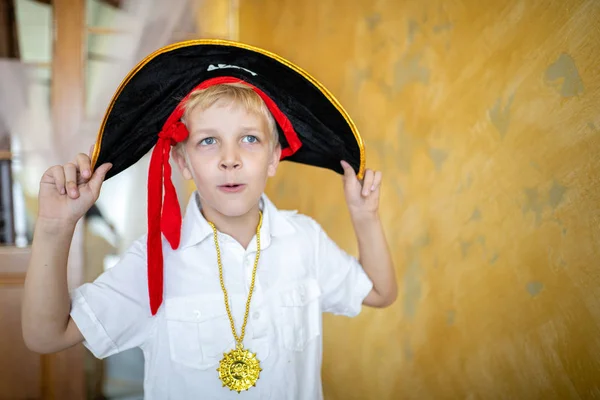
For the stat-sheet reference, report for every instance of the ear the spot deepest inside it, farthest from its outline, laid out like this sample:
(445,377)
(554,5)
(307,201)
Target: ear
(274,162)
(178,155)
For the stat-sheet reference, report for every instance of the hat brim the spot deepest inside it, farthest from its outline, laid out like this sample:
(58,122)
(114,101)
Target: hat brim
(151,92)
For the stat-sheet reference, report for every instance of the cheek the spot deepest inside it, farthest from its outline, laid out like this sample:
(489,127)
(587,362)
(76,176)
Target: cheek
(259,165)
(201,173)
(197,168)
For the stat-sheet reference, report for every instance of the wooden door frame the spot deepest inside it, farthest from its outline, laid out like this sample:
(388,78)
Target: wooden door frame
(63,372)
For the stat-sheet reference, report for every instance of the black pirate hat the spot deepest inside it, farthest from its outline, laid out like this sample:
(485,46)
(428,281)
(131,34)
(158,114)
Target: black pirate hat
(146,109)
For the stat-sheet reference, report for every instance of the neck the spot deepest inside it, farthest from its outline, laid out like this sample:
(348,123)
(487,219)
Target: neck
(242,228)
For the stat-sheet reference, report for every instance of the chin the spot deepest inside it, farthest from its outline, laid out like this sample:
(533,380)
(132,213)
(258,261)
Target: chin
(233,211)
(235,207)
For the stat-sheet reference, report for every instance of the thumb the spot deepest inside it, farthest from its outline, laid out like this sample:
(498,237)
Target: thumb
(349,174)
(95,182)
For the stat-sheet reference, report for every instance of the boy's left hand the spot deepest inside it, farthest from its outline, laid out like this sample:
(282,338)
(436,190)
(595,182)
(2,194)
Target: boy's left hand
(362,198)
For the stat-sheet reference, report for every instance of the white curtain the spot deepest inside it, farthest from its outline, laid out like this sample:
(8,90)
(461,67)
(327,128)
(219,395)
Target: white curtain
(143,26)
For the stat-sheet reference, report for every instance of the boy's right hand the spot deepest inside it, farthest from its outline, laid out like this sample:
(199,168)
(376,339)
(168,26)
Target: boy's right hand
(68,191)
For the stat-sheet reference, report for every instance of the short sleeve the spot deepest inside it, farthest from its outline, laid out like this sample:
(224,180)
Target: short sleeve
(343,282)
(113,312)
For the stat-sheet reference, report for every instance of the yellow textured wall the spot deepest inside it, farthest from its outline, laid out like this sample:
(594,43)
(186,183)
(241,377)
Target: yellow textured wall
(485,118)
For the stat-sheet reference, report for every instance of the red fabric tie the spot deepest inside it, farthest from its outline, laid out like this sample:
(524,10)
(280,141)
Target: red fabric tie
(164,216)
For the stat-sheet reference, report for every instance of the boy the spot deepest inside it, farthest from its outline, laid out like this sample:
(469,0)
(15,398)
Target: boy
(244,284)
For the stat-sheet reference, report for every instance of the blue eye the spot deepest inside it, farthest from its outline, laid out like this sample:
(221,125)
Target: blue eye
(207,141)
(250,139)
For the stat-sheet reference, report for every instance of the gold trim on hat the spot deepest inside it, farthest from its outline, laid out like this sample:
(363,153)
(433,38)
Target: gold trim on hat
(223,42)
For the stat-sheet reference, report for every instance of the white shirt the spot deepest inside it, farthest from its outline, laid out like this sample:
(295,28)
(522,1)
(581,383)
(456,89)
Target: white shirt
(301,274)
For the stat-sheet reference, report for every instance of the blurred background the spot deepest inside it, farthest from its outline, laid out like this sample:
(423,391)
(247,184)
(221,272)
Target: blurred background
(483,116)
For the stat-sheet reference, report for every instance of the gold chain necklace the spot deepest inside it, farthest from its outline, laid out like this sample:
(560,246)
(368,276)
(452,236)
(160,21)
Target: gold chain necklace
(239,369)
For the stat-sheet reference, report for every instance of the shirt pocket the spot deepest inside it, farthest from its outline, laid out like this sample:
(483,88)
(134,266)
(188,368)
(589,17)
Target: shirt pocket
(199,331)
(300,307)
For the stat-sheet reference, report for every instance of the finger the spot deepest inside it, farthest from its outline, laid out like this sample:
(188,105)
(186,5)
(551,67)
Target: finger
(71,178)
(58,176)
(84,164)
(349,173)
(98,178)
(376,181)
(368,182)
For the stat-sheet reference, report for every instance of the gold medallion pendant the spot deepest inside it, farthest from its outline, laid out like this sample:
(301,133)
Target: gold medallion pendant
(239,369)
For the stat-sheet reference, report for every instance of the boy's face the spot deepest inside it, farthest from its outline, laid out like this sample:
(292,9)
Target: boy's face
(229,156)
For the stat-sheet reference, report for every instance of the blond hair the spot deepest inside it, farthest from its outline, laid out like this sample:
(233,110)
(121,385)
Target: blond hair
(233,93)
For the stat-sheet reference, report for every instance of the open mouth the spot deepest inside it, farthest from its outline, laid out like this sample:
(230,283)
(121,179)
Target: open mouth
(232,187)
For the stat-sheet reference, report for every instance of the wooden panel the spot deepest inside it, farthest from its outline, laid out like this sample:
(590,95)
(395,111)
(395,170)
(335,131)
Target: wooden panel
(65,370)
(67,85)
(26,375)
(20,369)
(13,260)
(484,118)
(9,44)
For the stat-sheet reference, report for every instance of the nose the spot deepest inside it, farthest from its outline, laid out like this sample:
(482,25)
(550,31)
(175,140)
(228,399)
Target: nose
(230,159)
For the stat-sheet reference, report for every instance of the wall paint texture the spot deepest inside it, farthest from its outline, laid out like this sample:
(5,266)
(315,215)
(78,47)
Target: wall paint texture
(485,119)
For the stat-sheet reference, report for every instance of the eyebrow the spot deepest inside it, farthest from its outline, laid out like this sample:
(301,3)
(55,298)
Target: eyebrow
(211,131)
(207,131)
(251,129)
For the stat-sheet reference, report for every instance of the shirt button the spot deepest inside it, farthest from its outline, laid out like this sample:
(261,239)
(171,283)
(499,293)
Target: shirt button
(198,314)
(256,315)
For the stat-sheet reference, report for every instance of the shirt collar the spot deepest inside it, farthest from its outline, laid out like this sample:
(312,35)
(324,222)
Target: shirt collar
(195,228)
